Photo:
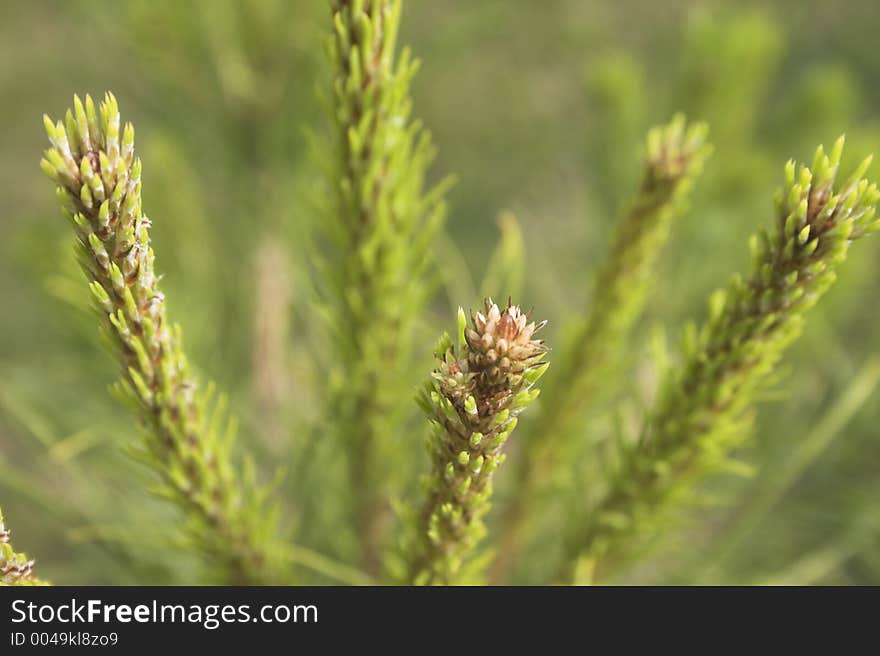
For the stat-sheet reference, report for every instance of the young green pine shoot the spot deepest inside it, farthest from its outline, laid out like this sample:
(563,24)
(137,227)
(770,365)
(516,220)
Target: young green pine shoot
(381,225)
(15,568)
(703,407)
(92,161)
(674,158)
(472,403)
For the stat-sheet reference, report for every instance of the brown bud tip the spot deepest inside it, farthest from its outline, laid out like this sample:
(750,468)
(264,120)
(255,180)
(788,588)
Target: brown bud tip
(501,341)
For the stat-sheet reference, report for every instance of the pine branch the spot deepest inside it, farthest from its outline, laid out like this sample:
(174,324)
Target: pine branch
(472,404)
(189,440)
(704,406)
(15,568)
(381,226)
(674,157)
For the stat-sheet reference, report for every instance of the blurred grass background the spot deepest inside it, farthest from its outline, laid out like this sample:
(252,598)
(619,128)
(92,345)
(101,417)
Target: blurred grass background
(536,107)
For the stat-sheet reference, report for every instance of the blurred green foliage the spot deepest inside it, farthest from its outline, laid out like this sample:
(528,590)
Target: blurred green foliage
(539,108)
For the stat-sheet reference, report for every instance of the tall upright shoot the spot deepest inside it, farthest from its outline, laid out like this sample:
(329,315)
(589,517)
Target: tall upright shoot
(383,219)
(189,439)
(673,160)
(704,404)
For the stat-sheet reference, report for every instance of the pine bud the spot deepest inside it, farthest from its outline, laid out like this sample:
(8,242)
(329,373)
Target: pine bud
(473,401)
